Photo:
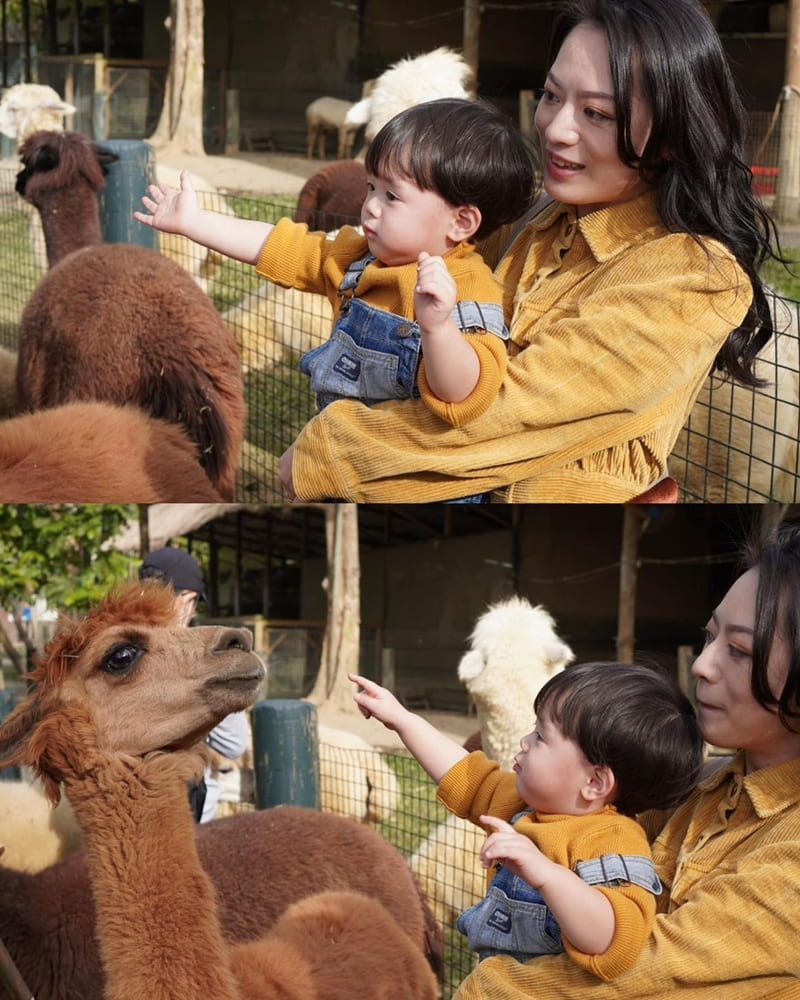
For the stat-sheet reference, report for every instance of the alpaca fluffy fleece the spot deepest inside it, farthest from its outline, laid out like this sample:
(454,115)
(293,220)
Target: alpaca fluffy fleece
(514,649)
(335,945)
(29,107)
(8,378)
(274,322)
(98,453)
(333,196)
(743,445)
(368,792)
(33,834)
(440,73)
(260,862)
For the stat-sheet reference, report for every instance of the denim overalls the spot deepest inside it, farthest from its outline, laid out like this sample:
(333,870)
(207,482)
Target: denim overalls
(514,919)
(373,354)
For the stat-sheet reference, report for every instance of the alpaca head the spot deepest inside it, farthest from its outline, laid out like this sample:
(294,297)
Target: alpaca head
(29,107)
(55,160)
(127,679)
(514,649)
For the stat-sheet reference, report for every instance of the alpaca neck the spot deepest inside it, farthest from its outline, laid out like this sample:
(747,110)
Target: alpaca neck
(157,922)
(70,220)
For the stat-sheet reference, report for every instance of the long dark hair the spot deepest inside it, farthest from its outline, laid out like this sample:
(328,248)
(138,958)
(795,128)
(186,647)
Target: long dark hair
(777,612)
(695,152)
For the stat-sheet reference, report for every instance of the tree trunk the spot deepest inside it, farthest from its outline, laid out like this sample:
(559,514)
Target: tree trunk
(787,194)
(628,572)
(8,645)
(340,647)
(180,127)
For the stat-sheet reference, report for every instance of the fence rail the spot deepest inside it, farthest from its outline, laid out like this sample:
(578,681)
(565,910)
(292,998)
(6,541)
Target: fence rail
(739,445)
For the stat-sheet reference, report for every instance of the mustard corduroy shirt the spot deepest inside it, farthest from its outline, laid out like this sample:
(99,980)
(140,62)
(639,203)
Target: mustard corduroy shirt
(728,921)
(615,323)
(476,786)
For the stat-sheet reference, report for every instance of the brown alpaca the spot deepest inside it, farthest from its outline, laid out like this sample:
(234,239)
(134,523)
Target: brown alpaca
(96,452)
(120,322)
(118,703)
(333,196)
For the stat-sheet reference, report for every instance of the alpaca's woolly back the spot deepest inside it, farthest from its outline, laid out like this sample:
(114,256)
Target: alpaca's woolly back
(123,324)
(259,862)
(332,197)
(95,452)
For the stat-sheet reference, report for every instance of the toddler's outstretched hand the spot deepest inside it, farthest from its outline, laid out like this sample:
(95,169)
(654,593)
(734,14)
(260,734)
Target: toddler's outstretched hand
(377,702)
(169,210)
(435,292)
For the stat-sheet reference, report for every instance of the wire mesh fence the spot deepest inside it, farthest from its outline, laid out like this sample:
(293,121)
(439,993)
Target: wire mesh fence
(391,793)
(739,445)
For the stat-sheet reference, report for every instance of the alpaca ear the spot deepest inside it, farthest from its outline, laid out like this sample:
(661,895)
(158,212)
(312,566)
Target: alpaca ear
(18,742)
(601,784)
(466,222)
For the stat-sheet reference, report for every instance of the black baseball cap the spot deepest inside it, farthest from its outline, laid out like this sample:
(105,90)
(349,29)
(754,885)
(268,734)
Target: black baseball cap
(173,566)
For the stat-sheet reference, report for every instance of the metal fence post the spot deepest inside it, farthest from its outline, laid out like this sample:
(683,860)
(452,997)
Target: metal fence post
(6,704)
(286,754)
(126,182)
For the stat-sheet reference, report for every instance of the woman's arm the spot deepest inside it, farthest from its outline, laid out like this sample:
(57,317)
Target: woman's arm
(603,372)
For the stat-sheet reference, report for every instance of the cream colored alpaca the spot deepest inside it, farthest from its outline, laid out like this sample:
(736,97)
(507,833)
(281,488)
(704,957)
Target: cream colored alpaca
(118,704)
(514,650)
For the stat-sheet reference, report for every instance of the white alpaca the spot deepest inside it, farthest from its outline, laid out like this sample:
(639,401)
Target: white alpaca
(440,73)
(33,834)
(514,649)
(354,779)
(273,321)
(741,445)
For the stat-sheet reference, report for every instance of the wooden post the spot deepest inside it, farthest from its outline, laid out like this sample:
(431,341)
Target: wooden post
(472,34)
(787,192)
(527,111)
(628,572)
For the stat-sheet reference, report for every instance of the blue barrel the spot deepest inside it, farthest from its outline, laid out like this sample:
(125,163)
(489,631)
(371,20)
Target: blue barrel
(285,748)
(6,704)
(126,181)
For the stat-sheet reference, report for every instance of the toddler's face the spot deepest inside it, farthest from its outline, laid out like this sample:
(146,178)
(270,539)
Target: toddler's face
(400,220)
(551,769)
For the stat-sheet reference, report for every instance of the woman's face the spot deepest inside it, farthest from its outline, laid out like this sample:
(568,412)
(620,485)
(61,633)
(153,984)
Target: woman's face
(728,713)
(577,125)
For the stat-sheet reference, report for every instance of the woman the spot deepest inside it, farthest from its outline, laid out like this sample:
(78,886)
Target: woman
(622,293)
(729,856)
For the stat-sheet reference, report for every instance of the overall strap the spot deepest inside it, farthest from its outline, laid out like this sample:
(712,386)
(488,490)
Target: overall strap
(616,869)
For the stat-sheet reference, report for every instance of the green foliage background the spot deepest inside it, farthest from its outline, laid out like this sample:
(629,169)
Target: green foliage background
(56,551)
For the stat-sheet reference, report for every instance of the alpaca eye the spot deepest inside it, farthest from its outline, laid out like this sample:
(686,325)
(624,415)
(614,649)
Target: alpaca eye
(121,658)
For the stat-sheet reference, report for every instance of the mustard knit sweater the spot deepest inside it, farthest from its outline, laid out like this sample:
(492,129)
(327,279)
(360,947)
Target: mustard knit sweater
(727,921)
(296,258)
(616,323)
(476,786)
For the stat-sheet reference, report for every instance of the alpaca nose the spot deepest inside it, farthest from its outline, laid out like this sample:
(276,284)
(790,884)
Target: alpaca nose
(233,638)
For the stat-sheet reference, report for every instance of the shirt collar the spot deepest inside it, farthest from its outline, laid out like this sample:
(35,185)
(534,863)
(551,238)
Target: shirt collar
(608,231)
(771,789)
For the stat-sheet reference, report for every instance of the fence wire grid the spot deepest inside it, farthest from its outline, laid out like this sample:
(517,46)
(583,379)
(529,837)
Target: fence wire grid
(391,793)
(739,445)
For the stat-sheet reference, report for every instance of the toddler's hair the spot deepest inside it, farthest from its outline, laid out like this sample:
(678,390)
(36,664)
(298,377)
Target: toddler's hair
(633,719)
(468,152)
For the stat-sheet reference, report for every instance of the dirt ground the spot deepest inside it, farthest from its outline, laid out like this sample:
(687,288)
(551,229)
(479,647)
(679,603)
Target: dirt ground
(256,173)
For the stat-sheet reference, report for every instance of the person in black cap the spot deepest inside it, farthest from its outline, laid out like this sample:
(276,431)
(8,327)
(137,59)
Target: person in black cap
(231,737)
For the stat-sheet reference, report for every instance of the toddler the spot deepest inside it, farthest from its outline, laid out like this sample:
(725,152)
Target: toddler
(573,870)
